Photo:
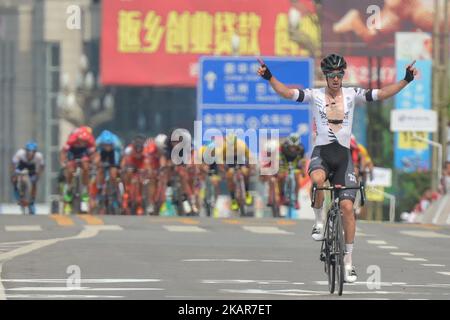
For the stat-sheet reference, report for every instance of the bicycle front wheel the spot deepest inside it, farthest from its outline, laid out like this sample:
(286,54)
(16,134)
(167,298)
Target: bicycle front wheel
(328,249)
(339,252)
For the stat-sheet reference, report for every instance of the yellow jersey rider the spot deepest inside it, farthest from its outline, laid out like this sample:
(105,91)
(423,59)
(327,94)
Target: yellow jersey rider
(234,152)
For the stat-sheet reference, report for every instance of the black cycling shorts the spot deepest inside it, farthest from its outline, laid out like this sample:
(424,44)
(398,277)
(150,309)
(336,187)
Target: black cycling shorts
(337,163)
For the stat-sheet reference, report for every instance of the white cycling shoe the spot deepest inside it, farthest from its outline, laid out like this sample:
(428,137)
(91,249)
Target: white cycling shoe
(317,232)
(350,275)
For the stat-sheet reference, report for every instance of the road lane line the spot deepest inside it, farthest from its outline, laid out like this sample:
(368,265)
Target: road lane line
(83,281)
(60,296)
(444,273)
(401,254)
(424,234)
(277,261)
(23,228)
(376,242)
(61,220)
(433,265)
(175,228)
(65,288)
(90,219)
(39,244)
(387,247)
(243,281)
(266,230)
(415,259)
(236,260)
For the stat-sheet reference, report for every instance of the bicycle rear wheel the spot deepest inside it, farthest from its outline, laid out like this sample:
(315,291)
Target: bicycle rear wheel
(339,252)
(275,203)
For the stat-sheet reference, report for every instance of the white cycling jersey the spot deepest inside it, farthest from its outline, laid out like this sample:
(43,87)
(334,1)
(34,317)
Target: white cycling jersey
(21,158)
(317,101)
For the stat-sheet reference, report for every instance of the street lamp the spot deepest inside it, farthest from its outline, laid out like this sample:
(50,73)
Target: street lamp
(439,147)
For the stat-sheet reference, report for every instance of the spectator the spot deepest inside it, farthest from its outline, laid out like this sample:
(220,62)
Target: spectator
(424,203)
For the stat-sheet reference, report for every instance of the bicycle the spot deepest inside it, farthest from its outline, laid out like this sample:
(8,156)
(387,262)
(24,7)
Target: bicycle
(24,188)
(333,246)
(133,203)
(289,189)
(239,189)
(274,196)
(210,197)
(109,196)
(76,202)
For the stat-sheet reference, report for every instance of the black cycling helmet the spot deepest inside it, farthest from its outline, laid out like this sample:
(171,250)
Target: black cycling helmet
(333,62)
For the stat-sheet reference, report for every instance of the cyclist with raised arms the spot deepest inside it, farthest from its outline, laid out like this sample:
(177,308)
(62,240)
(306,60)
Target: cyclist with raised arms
(332,109)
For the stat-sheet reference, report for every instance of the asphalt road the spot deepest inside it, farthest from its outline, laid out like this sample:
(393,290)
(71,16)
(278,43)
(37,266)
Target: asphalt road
(117,257)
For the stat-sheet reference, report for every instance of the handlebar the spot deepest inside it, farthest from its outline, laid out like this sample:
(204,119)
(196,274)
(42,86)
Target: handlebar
(361,188)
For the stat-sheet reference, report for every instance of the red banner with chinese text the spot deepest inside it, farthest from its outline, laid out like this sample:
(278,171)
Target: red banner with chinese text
(158,42)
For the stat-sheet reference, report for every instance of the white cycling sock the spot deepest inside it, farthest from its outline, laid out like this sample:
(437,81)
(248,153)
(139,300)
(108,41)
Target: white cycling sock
(348,253)
(319,216)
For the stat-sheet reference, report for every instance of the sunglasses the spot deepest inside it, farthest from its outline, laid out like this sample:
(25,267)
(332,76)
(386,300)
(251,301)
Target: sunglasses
(332,75)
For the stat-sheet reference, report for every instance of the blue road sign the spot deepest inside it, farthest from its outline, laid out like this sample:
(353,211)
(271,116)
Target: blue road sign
(231,95)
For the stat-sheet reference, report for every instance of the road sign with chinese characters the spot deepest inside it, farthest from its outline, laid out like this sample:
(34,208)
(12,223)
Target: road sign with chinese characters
(234,81)
(231,95)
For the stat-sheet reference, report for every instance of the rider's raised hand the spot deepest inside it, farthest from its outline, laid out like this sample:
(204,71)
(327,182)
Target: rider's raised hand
(263,70)
(410,72)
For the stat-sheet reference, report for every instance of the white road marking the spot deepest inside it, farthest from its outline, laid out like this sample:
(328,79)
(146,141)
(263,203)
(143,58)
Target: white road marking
(60,296)
(80,289)
(83,281)
(217,260)
(376,242)
(237,281)
(266,230)
(278,261)
(401,254)
(415,259)
(298,292)
(23,228)
(39,244)
(424,234)
(433,265)
(363,283)
(387,247)
(236,260)
(444,273)
(176,228)
(295,292)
